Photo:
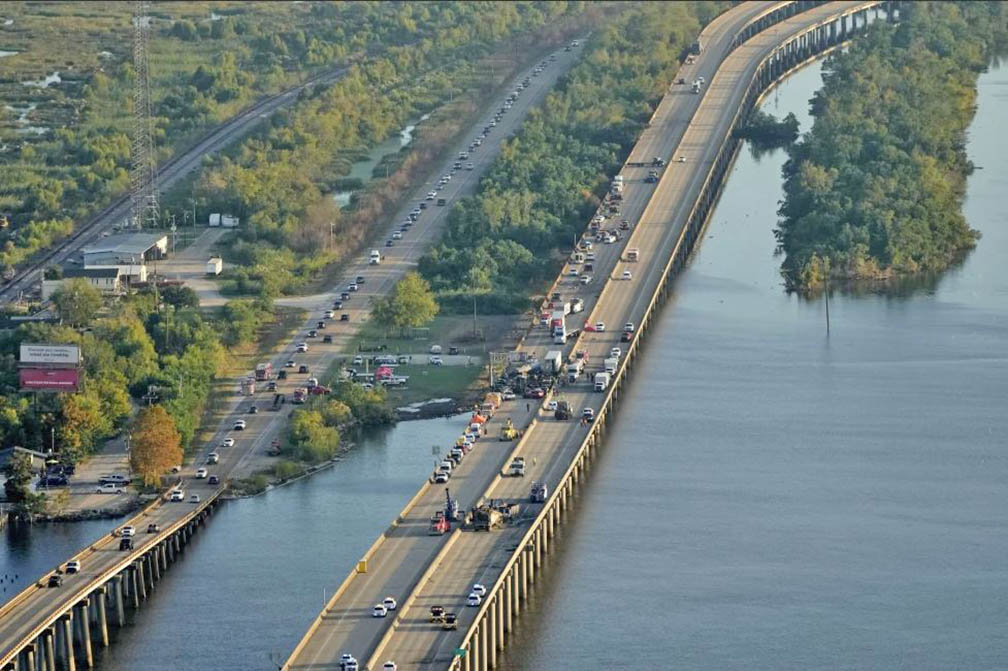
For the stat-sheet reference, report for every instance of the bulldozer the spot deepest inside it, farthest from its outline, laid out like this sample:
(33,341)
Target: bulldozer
(508,432)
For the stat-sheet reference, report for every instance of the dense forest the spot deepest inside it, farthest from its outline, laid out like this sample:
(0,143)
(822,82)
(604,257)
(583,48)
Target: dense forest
(875,189)
(278,181)
(64,144)
(501,244)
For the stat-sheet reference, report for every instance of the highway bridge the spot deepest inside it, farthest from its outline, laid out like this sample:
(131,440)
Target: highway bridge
(693,134)
(50,628)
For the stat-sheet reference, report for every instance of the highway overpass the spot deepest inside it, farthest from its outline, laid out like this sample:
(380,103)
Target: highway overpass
(419,570)
(59,625)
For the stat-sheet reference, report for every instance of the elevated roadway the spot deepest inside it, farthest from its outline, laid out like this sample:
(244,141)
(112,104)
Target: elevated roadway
(404,559)
(36,617)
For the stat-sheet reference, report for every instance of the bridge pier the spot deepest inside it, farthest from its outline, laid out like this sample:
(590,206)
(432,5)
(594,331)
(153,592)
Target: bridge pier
(29,657)
(141,578)
(66,636)
(501,607)
(84,632)
(102,620)
(49,649)
(524,561)
(490,621)
(117,591)
(482,646)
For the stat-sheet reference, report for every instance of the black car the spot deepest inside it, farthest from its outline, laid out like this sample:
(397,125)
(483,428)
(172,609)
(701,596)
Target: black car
(55,580)
(360,279)
(441,201)
(327,338)
(214,480)
(303,368)
(344,317)
(345,296)
(282,375)
(312,333)
(271,386)
(124,544)
(413,217)
(253,409)
(338,305)
(423,205)
(389,243)
(453,350)
(153,528)
(626,337)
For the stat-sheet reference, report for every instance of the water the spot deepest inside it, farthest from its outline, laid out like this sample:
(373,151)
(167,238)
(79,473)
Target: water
(364,168)
(251,583)
(773,499)
(4,54)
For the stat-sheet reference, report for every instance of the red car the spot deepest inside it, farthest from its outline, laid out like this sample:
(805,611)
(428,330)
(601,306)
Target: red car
(535,393)
(590,328)
(626,336)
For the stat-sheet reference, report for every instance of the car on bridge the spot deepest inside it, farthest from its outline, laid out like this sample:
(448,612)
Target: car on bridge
(239,425)
(389,603)
(588,414)
(389,666)
(346,659)
(201,473)
(474,599)
(55,580)
(379,610)
(177,495)
(72,567)
(479,589)
(153,528)
(127,531)
(228,442)
(450,622)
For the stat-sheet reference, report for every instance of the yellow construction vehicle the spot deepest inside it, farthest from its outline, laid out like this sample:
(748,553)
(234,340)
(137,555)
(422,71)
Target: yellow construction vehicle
(508,432)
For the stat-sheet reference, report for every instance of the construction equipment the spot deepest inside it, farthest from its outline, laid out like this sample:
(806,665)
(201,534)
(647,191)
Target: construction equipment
(451,511)
(508,432)
(439,525)
(563,410)
(494,513)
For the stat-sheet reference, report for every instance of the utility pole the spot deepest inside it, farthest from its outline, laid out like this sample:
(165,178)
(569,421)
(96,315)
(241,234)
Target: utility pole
(144,210)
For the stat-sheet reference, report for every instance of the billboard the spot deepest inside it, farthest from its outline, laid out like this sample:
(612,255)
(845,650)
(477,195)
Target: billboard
(50,355)
(49,379)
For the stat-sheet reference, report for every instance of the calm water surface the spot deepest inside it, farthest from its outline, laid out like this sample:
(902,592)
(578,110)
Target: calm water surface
(774,499)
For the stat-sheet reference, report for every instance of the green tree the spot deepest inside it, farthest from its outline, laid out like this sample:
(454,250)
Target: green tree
(410,304)
(18,470)
(77,301)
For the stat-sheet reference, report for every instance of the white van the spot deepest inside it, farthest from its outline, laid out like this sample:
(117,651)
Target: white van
(375,258)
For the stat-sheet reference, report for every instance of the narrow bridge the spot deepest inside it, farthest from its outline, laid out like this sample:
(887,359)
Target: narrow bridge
(746,50)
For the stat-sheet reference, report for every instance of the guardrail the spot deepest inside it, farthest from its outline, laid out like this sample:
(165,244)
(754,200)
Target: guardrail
(763,77)
(68,599)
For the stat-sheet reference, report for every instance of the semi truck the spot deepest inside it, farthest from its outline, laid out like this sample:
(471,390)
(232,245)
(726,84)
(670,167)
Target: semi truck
(601,381)
(574,369)
(553,363)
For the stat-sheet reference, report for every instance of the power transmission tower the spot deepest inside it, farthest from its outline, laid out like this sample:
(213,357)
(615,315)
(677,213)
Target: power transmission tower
(143,173)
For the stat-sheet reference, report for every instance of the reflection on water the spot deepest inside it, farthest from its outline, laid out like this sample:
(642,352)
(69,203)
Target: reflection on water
(772,498)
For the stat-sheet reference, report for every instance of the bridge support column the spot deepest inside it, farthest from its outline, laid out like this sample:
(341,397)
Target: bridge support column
(141,578)
(538,547)
(163,549)
(84,630)
(500,606)
(483,665)
(491,622)
(49,649)
(467,660)
(66,625)
(117,591)
(525,576)
(102,620)
(154,564)
(509,602)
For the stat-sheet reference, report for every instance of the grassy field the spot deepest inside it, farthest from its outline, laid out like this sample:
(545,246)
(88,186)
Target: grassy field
(427,382)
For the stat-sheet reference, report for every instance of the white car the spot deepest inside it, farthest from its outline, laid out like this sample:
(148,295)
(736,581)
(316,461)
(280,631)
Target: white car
(212,458)
(389,603)
(588,414)
(73,566)
(302,347)
(109,488)
(586,279)
(353,285)
(201,473)
(681,159)
(239,425)
(389,666)
(441,477)
(127,531)
(177,495)
(379,611)
(395,236)
(470,166)
(228,442)
(627,275)
(600,327)
(508,395)
(628,327)
(358,360)
(345,659)
(479,589)
(616,352)
(290,363)
(435,361)
(551,406)
(431,195)
(590,257)
(329,314)
(194,498)
(474,599)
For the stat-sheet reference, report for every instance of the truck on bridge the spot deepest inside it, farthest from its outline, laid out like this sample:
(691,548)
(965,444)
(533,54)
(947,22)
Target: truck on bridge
(601,381)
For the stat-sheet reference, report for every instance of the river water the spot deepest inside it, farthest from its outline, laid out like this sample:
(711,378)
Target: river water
(773,498)
(252,581)
(769,498)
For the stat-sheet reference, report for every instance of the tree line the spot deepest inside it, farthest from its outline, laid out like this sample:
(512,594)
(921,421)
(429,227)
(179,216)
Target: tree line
(507,240)
(874,190)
